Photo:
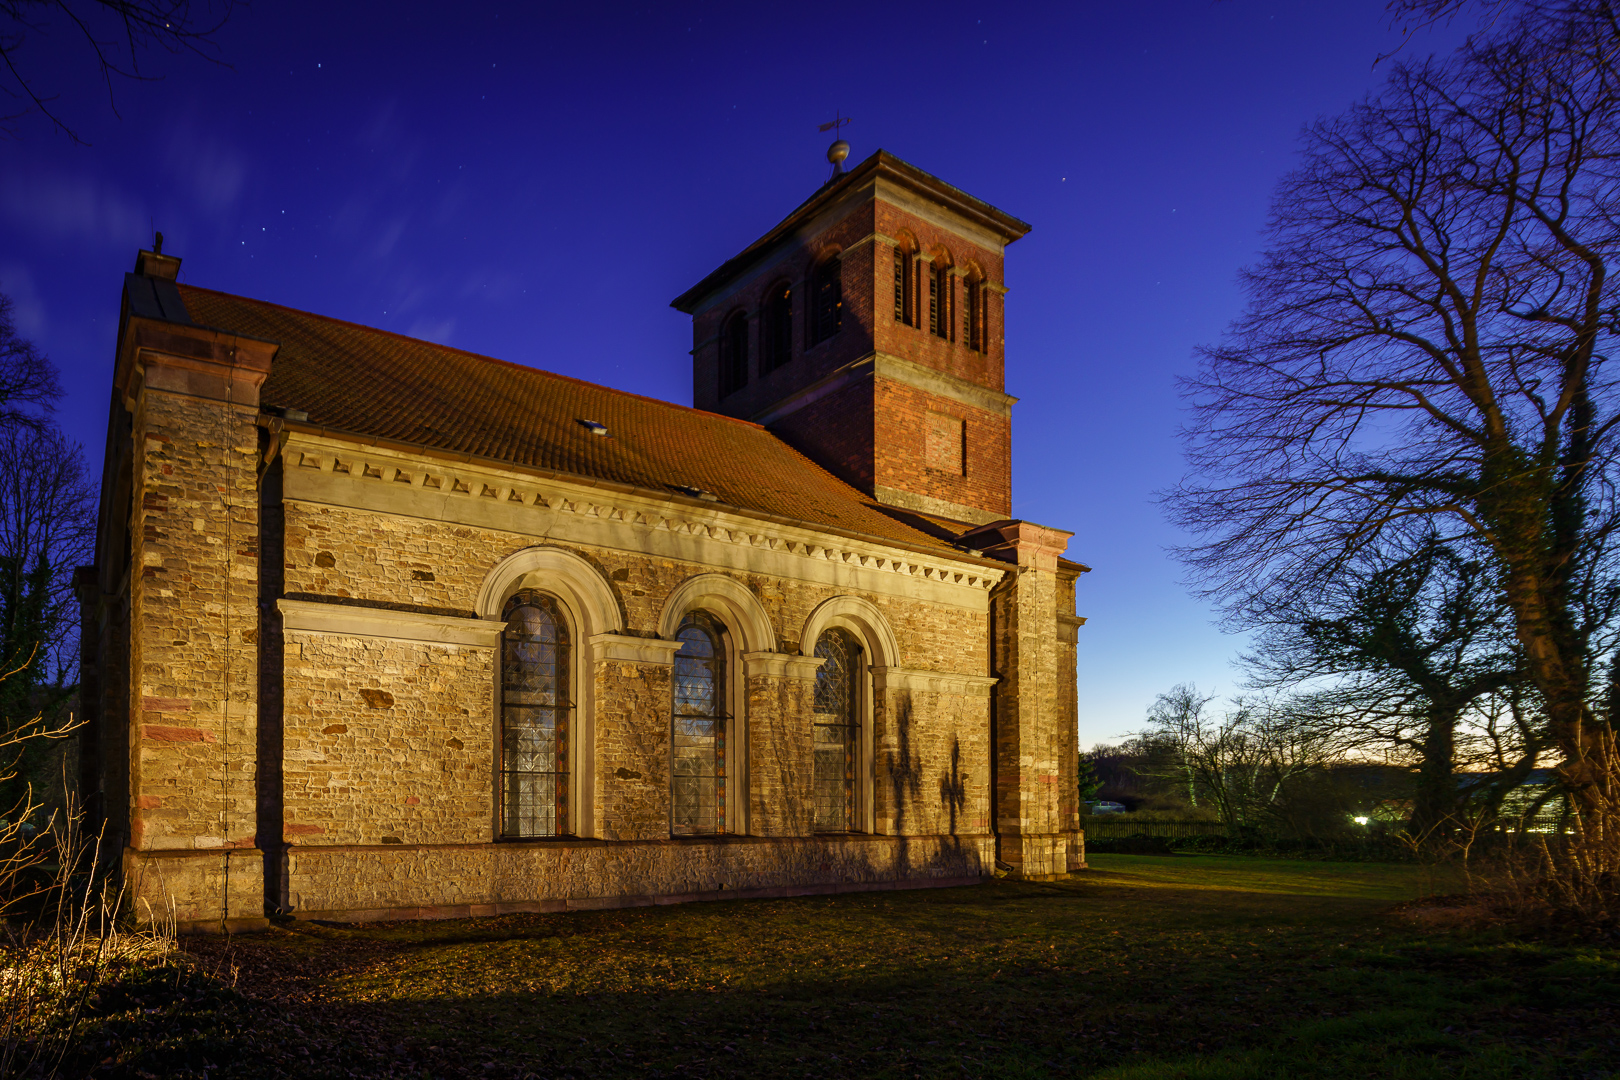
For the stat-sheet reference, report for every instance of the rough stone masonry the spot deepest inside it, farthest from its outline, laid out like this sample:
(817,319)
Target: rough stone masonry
(296,648)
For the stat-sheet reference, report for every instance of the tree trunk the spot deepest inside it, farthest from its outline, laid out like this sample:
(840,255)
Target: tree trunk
(1436,795)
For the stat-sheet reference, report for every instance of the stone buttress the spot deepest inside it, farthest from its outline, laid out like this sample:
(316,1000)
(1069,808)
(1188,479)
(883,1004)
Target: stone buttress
(191,396)
(1034,733)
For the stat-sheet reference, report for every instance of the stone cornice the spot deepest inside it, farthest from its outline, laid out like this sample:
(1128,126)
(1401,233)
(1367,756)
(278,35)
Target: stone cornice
(881,176)
(190,360)
(1029,545)
(635,650)
(1069,628)
(350,620)
(325,470)
(935,682)
(897,369)
(927,504)
(781,665)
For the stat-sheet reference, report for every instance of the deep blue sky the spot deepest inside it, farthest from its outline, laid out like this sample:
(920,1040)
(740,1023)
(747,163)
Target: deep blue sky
(537,182)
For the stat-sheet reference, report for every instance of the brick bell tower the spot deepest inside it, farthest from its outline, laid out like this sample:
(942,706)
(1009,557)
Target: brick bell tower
(865,330)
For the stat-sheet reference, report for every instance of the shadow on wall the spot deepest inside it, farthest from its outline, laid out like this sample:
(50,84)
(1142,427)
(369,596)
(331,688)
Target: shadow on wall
(952,790)
(905,775)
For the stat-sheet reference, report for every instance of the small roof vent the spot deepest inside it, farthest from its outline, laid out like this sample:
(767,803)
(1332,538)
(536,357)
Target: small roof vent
(696,493)
(593,427)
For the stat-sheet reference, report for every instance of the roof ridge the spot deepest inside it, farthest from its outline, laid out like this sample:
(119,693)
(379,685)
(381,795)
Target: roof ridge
(469,353)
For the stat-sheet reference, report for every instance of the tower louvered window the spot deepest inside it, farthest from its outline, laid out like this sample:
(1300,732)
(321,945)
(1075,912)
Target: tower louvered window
(776,338)
(734,355)
(535,714)
(939,302)
(970,313)
(837,729)
(828,293)
(698,743)
(902,286)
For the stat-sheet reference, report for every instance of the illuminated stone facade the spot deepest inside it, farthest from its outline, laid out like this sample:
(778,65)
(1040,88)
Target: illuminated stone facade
(293,643)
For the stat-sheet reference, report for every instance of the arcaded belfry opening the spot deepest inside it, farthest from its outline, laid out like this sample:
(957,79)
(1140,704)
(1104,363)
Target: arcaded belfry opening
(734,354)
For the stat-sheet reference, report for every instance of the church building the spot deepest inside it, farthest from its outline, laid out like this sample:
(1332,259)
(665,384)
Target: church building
(384,629)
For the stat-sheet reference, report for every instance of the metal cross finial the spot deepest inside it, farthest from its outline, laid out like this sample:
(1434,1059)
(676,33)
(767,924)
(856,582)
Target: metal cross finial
(839,150)
(833,125)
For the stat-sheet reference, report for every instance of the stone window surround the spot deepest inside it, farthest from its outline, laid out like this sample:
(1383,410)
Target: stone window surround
(732,704)
(594,621)
(880,652)
(748,637)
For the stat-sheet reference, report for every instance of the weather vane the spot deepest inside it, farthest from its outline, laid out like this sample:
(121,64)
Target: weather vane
(838,151)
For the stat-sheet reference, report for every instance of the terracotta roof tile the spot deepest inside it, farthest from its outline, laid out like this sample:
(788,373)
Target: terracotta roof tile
(375,383)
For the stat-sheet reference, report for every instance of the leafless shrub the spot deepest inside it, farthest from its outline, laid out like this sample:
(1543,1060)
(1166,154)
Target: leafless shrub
(64,934)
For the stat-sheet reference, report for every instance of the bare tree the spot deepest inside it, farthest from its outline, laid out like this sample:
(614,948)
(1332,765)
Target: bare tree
(1408,659)
(1242,761)
(115,32)
(28,385)
(1425,351)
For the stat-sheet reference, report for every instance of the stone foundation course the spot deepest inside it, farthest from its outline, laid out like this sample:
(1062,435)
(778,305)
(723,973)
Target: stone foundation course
(458,880)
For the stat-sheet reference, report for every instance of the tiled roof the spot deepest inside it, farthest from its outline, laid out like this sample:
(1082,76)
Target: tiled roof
(374,383)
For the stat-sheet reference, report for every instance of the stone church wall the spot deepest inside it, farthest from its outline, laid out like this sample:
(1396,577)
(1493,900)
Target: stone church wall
(386,742)
(390,756)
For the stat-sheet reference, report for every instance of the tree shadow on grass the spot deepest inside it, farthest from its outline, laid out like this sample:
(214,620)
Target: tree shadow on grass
(1070,978)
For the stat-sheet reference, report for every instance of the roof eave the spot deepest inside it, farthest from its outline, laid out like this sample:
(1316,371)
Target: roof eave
(882,162)
(326,431)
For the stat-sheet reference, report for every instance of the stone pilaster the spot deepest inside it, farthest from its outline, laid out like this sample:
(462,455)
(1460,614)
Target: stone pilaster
(192,395)
(781,690)
(630,736)
(1034,735)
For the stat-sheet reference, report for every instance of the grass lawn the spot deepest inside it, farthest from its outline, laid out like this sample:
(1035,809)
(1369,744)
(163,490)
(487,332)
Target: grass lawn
(1143,967)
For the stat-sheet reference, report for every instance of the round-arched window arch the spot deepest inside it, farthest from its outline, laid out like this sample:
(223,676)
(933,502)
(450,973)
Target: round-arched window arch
(973,335)
(940,295)
(836,720)
(776,333)
(826,299)
(734,354)
(536,716)
(698,729)
(905,287)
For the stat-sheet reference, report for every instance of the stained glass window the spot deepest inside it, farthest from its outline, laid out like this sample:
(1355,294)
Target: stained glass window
(698,746)
(837,725)
(535,713)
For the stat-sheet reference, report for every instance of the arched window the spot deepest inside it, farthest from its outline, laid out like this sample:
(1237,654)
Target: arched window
(776,341)
(535,712)
(837,730)
(905,304)
(939,299)
(698,722)
(734,355)
(827,292)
